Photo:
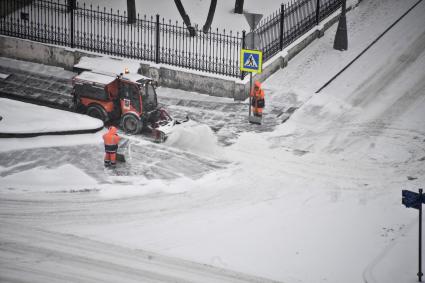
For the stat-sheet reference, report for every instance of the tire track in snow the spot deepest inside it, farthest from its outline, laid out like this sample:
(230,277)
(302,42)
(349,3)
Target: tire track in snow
(368,276)
(56,257)
(147,159)
(36,88)
(227,120)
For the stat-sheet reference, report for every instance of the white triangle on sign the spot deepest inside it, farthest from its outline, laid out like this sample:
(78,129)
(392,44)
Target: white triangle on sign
(250,62)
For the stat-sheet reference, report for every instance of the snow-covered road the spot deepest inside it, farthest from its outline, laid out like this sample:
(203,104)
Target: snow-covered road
(55,257)
(315,199)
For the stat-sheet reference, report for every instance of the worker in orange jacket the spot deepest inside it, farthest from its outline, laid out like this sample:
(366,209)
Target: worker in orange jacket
(257,101)
(111,140)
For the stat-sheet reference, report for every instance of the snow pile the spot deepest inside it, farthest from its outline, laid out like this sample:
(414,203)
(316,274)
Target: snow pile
(197,138)
(39,119)
(65,177)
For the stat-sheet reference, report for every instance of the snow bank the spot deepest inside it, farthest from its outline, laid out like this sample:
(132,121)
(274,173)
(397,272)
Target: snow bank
(20,118)
(66,177)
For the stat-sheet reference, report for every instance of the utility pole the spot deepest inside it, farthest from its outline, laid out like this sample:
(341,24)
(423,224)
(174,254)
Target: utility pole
(415,200)
(420,237)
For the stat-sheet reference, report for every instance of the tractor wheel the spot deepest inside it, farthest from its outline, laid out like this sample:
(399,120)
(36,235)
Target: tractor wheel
(96,111)
(131,124)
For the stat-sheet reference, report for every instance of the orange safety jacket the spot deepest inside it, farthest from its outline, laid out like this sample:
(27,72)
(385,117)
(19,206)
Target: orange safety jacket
(111,140)
(258,96)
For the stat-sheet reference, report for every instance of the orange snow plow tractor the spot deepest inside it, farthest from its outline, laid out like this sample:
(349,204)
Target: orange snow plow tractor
(128,98)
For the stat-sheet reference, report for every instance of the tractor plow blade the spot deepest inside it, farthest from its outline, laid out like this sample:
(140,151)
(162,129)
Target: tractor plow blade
(162,132)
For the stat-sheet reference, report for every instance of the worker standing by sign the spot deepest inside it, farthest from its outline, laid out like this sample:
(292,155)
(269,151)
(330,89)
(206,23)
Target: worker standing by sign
(257,99)
(111,140)
(252,63)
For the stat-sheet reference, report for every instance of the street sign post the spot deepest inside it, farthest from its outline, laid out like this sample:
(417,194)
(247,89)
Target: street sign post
(252,63)
(415,200)
(252,41)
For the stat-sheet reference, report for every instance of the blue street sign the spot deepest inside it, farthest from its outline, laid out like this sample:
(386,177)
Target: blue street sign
(411,199)
(251,61)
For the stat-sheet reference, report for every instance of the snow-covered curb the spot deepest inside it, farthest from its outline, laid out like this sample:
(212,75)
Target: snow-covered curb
(34,120)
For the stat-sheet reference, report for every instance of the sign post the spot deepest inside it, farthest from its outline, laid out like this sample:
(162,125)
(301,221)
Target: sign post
(420,236)
(253,65)
(415,200)
(251,61)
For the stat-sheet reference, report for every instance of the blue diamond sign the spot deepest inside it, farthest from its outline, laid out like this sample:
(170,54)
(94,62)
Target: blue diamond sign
(251,61)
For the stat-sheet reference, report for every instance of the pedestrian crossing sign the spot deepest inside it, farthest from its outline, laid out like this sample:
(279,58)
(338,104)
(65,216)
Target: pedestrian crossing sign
(251,61)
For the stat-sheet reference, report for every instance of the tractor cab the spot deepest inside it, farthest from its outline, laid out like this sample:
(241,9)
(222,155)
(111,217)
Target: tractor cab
(137,94)
(139,104)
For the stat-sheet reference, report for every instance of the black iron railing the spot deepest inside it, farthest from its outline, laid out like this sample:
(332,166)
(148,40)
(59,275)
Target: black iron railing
(66,23)
(290,22)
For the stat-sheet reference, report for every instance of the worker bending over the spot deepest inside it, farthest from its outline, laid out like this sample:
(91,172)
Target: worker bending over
(111,140)
(257,102)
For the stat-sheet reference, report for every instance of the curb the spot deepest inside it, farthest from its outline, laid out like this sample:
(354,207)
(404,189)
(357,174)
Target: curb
(55,133)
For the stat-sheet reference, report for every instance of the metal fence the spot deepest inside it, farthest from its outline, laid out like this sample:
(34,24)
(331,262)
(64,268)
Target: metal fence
(290,22)
(66,23)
